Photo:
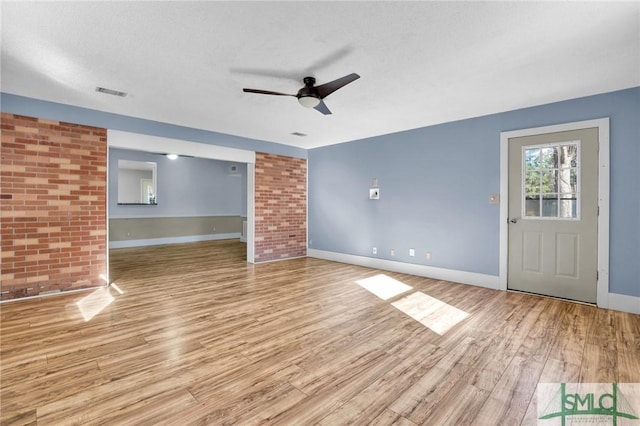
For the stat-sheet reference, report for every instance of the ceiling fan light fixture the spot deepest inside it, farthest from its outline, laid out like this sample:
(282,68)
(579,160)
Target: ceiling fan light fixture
(308,101)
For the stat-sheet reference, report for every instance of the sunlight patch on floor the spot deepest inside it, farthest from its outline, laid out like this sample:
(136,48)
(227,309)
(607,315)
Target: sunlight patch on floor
(384,286)
(94,303)
(434,314)
(116,288)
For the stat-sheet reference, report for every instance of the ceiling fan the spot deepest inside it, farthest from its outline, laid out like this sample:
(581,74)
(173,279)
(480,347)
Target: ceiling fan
(312,96)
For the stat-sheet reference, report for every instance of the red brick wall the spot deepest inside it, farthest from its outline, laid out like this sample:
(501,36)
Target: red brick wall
(280,207)
(53,211)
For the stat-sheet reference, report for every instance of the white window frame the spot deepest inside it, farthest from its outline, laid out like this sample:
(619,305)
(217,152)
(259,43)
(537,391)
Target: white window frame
(578,183)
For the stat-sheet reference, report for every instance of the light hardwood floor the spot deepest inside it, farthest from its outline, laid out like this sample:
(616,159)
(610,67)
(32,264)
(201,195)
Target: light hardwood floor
(195,335)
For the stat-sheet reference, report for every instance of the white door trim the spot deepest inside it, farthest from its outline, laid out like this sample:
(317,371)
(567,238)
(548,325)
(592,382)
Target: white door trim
(603,198)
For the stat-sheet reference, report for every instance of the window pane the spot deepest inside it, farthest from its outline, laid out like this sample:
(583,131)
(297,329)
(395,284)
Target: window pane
(549,181)
(532,182)
(532,158)
(568,156)
(549,158)
(532,206)
(568,205)
(566,180)
(550,205)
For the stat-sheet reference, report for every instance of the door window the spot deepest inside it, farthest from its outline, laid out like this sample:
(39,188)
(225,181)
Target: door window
(551,181)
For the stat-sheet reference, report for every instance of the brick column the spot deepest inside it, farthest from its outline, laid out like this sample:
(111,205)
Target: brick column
(53,213)
(280,207)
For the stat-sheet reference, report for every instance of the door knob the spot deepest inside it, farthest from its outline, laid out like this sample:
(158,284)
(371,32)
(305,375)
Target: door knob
(514,220)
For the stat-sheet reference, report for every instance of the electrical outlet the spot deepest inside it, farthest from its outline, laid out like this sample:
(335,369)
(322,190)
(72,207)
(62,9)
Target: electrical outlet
(392,253)
(428,255)
(412,252)
(374,250)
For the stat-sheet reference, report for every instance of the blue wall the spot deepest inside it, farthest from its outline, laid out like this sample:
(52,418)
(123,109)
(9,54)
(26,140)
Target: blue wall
(186,187)
(435,183)
(54,111)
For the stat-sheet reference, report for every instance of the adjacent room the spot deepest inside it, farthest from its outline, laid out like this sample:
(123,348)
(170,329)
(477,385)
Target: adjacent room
(319,213)
(161,199)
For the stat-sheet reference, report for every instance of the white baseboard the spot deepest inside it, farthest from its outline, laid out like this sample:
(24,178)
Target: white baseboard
(472,278)
(172,240)
(279,259)
(624,303)
(54,293)
(618,302)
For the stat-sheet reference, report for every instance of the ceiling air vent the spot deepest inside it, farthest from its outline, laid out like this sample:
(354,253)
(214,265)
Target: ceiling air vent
(299,134)
(110,92)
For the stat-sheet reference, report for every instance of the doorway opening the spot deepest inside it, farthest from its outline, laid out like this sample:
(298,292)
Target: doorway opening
(155,144)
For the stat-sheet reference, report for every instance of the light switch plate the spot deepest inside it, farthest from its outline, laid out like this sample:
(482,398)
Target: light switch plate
(374,193)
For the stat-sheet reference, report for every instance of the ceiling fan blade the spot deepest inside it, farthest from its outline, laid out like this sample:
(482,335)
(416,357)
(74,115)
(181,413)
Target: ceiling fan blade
(327,60)
(322,107)
(266,92)
(268,72)
(326,89)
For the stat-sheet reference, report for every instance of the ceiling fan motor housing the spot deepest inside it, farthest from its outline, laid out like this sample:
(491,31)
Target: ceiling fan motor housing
(308,96)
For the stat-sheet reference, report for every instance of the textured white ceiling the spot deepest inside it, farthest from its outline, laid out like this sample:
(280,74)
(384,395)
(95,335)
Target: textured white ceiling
(421,63)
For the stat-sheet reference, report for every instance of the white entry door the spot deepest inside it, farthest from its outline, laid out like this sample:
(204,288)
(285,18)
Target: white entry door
(553,214)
